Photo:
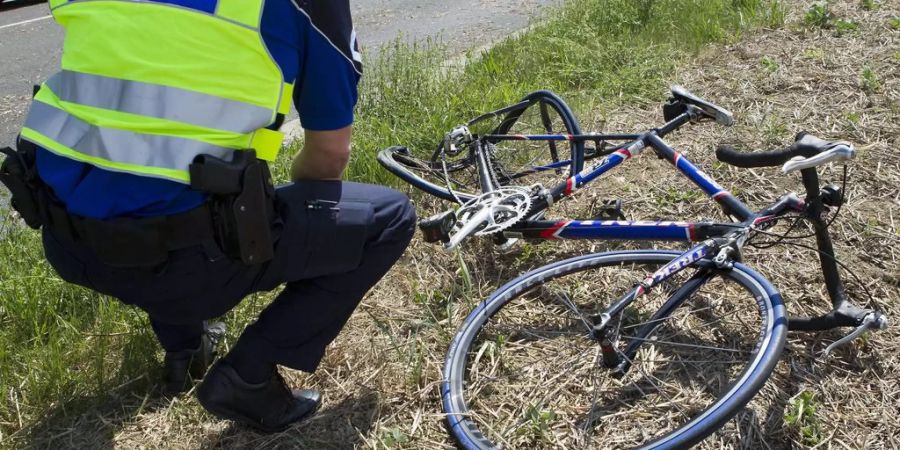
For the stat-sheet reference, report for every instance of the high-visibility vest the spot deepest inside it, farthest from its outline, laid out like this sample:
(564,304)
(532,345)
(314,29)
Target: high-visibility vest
(145,87)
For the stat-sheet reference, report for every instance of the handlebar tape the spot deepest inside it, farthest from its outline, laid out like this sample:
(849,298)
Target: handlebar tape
(805,145)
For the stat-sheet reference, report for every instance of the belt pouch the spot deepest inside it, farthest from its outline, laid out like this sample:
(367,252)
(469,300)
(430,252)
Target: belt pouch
(18,174)
(127,243)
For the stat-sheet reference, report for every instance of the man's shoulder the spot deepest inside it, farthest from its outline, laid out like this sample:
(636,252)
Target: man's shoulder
(332,19)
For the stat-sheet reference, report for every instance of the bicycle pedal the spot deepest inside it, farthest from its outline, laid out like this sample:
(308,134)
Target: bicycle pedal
(505,244)
(437,227)
(611,210)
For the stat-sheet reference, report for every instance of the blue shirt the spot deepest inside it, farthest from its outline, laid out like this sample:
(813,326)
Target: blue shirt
(313,43)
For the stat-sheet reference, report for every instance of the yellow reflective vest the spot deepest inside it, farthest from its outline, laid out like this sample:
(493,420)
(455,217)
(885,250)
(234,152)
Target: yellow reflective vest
(145,87)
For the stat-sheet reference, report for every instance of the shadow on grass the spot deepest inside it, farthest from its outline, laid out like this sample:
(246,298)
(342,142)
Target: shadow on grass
(92,421)
(339,426)
(76,425)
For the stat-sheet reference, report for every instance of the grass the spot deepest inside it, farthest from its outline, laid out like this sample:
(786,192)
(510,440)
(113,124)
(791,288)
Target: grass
(802,415)
(65,351)
(869,80)
(601,53)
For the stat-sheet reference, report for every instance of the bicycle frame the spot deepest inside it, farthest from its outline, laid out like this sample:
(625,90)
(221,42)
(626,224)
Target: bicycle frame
(716,244)
(716,247)
(712,236)
(631,230)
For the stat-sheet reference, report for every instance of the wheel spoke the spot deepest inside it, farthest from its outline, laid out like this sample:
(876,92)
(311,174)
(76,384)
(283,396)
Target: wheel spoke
(534,376)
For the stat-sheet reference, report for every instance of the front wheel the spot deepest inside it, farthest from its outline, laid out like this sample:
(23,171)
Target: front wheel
(524,371)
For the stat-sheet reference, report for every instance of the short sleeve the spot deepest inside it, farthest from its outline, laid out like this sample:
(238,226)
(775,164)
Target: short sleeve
(327,83)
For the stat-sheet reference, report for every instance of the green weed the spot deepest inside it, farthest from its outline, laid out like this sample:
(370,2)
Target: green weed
(801,415)
(869,5)
(894,23)
(774,129)
(869,81)
(814,53)
(393,438)
(853,118)
(845,26)
(818,15)
(769,64)
(416,363)
(675,196)
(537,423)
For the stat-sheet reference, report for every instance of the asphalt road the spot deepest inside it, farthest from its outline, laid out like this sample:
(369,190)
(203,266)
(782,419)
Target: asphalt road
(31,43)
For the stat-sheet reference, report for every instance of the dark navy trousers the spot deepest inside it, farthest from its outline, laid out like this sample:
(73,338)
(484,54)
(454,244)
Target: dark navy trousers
(335,241)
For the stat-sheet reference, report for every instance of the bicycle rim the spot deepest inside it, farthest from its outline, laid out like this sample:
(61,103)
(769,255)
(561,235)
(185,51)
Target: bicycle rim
(523,372)
(430,177)
(546,162)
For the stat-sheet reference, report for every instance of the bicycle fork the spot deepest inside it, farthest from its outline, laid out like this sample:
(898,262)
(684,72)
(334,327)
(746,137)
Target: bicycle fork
(605,328)
(843,312)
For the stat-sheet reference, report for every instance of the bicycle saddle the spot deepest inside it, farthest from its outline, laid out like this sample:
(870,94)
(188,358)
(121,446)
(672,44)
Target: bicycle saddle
(721,115)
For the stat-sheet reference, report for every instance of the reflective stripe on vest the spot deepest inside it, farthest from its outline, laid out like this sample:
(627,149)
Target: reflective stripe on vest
(146,87)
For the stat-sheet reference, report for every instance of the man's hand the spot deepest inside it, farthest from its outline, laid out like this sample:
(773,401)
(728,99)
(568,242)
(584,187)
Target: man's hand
(324,155)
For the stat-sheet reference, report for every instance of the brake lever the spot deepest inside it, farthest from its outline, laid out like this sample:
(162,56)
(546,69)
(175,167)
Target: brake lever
(840,152)
(871,321)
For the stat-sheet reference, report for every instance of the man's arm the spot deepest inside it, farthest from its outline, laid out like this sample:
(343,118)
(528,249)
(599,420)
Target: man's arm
(324,156)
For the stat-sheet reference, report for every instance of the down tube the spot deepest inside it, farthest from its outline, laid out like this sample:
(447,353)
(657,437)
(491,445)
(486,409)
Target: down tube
(718,193)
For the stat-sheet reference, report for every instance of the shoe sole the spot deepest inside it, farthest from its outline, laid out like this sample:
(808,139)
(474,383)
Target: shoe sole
(226,413)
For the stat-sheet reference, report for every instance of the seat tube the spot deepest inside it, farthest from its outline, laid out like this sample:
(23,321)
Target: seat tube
(485,177)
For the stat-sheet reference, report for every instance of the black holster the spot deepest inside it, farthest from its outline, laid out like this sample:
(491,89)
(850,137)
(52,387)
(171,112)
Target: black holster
(19,173)
(243,203)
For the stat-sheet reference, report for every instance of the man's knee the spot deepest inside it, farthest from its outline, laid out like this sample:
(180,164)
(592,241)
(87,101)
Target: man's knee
(397,215)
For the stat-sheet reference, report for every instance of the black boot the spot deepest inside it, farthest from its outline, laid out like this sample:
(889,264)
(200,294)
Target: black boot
(179,368)
(269,406)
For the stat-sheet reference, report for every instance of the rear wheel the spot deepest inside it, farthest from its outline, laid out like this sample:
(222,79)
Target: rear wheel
(455,177)
(524,372)
(546,162)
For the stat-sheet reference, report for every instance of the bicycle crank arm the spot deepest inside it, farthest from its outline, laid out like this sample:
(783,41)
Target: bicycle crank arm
(471,225)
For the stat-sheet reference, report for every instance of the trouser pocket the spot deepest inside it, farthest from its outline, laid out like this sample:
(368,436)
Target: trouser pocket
(336,236)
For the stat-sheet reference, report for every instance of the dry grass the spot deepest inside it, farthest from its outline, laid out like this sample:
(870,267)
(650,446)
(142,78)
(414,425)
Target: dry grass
(381,376)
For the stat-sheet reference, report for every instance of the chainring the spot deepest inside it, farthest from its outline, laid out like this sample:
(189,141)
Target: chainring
(508,205)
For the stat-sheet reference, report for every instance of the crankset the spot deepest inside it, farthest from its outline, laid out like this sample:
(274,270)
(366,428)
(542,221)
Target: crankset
(487,214)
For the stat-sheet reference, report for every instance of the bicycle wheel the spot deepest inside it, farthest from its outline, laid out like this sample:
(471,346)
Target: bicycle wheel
(513,162)
(547,162)
(524,372)
(429,175)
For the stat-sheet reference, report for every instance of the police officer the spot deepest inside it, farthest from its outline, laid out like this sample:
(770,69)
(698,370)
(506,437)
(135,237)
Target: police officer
(149,148)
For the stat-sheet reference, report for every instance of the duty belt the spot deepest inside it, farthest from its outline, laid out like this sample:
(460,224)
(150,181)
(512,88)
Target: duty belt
(134,242)
(238,217)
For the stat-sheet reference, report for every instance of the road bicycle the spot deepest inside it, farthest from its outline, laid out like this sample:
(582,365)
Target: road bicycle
(645,348)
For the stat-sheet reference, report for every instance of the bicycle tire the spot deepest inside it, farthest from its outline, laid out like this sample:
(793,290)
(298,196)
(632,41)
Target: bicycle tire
(543,101)
(463,423)
(427,174)
(402,164)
